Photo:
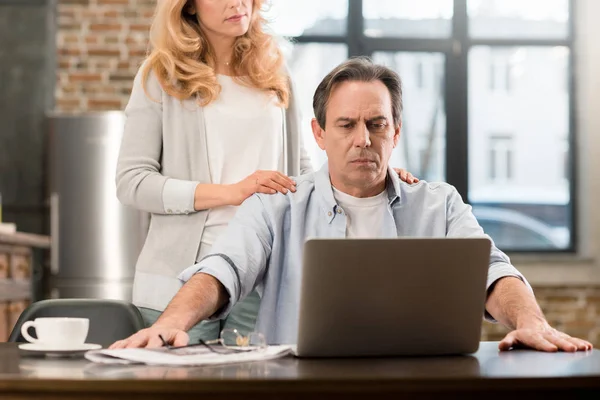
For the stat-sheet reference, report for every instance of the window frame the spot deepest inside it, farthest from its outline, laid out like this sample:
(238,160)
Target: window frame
(456,49)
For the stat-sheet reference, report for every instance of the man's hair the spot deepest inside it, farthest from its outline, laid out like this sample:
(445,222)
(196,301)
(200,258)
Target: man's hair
(360,69)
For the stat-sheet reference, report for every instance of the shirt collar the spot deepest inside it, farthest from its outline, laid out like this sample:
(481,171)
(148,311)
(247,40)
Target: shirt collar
(325,191)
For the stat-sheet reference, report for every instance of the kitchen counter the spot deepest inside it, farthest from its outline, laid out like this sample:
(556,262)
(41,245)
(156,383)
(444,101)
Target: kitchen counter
(18,254)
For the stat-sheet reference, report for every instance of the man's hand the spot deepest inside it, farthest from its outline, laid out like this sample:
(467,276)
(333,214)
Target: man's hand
(198,299)
(149,338)
(513,304)
(406,176)
(541,336)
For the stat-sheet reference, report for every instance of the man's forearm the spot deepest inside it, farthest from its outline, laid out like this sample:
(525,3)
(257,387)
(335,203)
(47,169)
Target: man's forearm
(512,304)
(201,296)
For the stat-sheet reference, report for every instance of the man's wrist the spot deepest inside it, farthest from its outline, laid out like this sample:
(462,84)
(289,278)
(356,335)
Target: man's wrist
(532,321)
(168,323)
(171,319)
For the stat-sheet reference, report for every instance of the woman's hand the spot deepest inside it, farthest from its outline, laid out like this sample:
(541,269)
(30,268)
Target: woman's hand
(269,182)
(406,176)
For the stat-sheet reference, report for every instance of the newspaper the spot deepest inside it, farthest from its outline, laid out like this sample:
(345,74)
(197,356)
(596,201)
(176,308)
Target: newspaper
(186,356)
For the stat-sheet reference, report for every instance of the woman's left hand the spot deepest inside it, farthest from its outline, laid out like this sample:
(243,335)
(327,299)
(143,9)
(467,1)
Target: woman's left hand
(406,176)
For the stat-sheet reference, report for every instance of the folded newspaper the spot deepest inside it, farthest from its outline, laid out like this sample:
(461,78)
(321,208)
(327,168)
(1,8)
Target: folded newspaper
(190,356)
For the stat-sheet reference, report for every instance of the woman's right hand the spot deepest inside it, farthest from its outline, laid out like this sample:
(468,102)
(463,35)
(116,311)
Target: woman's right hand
(269,182)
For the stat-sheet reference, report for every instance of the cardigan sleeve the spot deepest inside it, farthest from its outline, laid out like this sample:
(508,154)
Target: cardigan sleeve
(139,180)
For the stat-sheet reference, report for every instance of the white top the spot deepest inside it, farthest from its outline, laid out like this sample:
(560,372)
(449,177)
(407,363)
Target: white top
(364,216)
(244,133)
(162,158)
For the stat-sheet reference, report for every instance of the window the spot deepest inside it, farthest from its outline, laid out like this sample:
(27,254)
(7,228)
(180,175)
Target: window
(500,72)
(422,142)
(309,63)
(308,17)
(524,172)
(407,18)
(419,75)
(501,159)
(565,161)
(518,19)
(430,157)
(487,98)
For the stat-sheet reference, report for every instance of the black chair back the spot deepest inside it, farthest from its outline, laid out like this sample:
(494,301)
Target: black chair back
(110,320)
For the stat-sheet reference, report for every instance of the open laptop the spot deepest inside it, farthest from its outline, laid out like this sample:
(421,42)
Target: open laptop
(392,297)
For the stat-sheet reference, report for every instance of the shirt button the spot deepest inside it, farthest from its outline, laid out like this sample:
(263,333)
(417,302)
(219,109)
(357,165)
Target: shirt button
(169,211)
(339,210)
(329,214)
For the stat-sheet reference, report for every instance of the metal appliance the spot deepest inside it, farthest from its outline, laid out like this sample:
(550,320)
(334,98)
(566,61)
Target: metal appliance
(95,239)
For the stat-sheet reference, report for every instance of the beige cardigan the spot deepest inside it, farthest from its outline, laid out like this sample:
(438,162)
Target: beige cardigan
(163,156)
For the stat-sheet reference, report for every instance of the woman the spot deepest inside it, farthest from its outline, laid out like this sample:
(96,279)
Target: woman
(211,120)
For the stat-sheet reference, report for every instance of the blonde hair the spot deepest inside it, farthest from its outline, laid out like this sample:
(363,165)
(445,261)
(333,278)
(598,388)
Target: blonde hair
(183,60)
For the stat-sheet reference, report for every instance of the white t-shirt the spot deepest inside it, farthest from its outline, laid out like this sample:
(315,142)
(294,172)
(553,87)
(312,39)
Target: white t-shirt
(364,216)
(244,133)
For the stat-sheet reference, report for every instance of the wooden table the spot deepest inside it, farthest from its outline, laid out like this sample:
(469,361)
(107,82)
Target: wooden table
(486,375)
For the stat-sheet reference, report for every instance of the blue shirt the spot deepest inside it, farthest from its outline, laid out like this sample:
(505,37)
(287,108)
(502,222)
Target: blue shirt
(262,246)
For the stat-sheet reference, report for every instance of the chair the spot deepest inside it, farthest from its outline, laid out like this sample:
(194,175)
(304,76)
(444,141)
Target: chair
(110,320)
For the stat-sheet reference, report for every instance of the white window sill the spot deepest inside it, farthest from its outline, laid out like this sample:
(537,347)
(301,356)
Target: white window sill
(558,269)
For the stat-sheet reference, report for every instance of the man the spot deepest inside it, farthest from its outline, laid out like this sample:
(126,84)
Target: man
(358,110)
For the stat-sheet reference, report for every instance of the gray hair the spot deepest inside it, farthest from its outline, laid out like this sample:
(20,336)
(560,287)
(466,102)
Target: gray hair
(360,69)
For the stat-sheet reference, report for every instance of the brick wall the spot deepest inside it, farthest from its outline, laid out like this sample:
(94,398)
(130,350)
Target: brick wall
(574,310)
(101,44)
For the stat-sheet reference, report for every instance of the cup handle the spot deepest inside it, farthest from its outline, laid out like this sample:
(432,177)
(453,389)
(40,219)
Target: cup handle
(24,328)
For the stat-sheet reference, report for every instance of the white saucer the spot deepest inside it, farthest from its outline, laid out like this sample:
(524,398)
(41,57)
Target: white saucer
(59,351)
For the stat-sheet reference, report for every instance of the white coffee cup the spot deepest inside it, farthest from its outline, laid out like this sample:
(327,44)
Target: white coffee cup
(57,332)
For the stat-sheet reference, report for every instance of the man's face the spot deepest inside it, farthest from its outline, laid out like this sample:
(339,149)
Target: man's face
(359,135)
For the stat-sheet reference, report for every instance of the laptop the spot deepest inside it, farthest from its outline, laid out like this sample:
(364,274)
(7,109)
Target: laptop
(392,297)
